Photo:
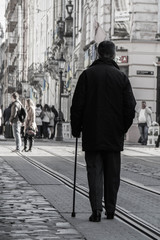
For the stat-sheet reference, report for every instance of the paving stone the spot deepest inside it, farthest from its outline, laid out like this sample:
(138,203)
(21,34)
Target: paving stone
(25,214)
(66,231)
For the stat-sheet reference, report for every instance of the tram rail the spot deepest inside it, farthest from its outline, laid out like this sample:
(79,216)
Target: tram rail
(124,180)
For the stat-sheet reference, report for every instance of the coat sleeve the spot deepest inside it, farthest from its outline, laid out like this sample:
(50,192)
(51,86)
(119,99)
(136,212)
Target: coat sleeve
(148,110)
(129,104)
(77,108)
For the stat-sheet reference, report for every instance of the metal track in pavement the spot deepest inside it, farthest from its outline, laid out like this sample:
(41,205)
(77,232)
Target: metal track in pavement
(133,221)
(124,180)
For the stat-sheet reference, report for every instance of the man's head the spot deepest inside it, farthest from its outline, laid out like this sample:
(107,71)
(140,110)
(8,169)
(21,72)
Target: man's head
(143,104)
(15,96)
(107,49)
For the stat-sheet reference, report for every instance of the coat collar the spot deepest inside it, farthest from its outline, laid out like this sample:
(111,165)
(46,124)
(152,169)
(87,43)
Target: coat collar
(107,61)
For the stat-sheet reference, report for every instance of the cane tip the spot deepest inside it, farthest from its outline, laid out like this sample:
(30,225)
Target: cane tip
(73,214)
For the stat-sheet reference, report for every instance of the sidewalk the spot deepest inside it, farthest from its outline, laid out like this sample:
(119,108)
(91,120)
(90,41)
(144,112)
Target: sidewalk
(27,215)
(140,150)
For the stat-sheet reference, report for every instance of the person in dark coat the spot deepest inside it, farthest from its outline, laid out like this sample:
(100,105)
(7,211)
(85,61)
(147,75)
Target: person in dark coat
(53,109)
(158,139)
(103,109)
(46,120)
(7,114)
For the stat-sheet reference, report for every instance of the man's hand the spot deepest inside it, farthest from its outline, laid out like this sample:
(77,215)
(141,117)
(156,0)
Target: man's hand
(76,134)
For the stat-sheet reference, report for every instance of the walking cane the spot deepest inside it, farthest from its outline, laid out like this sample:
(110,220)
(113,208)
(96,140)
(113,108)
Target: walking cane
(75,171)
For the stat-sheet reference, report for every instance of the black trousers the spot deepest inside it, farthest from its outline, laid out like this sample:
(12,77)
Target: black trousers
(39,133)
(30,138)
(45,129)
(103,168)
(158,141)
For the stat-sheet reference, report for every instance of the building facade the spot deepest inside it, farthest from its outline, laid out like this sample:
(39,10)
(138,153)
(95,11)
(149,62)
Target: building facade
(134,27)
(2,62)
(44,47)
(38,33)
(13,71)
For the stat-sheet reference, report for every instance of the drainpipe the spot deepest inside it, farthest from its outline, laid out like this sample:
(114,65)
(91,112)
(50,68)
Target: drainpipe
(158,30)
(74,35)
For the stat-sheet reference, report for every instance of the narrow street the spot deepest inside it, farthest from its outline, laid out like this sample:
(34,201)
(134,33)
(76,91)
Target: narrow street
(33,196)
(87,70)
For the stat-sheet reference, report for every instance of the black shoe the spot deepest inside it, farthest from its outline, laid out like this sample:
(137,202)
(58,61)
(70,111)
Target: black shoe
(29,150)
(110,215)
(24,150)
(157,144)
(96,216)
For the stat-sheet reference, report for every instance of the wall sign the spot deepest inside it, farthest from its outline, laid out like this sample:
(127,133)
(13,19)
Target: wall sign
(139,72)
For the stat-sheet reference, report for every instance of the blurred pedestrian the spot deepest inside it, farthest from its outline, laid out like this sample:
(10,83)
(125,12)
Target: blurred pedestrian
(29,125)
(158,139)
(103,108)
(51,124)
(55,120)
(1,115)
(7,127)
(46,120)
(144,116)
(39,120)
(14,120)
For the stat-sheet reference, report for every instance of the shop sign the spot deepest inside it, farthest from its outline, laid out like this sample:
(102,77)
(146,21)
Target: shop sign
(122,59)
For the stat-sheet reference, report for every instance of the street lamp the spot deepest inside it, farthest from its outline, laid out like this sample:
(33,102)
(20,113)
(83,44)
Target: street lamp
(69,8)
(69,20)
(61,63)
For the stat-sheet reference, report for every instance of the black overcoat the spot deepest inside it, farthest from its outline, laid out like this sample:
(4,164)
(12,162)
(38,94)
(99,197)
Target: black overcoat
(103,107)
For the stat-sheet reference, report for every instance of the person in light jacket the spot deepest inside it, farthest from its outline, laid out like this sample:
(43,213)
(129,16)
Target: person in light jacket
(144,117)
(39,120)
(1,120)
(29,125)
(14,120)
(46,120)
(51,125)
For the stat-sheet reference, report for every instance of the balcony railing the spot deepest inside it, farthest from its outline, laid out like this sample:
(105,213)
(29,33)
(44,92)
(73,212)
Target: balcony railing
(11,25)
(11,68)
(35,73)
(11,44)
(13,15)
(10,65)
(10,6)
(12,19)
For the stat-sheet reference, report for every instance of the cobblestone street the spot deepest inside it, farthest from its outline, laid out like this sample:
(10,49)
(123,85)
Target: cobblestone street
(25,214)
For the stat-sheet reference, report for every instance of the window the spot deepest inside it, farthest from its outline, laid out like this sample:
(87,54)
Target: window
(120,19)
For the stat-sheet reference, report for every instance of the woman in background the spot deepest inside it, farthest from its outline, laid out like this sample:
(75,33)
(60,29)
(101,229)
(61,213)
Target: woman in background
(46,120)
(51,125)
(29,125)
(39,120)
